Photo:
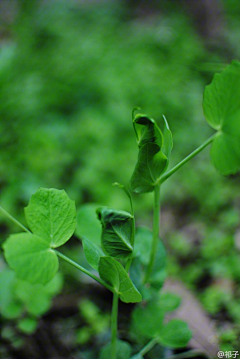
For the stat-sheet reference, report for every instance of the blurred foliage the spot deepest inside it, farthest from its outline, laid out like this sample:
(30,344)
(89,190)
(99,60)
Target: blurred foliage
(70,74)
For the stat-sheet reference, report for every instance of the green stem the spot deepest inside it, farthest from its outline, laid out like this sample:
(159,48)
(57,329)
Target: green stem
(114,325)
(148,346)
(84,270)
(14,220)
(185,160)
(156,224)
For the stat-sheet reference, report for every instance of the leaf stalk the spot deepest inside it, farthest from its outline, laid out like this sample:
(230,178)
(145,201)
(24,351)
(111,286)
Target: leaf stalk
(168,174)
(84,270)
(14,220)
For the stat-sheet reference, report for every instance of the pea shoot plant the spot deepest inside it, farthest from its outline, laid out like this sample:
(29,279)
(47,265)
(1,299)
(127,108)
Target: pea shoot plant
(129,261)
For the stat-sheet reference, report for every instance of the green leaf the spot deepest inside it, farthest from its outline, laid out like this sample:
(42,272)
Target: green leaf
(151,164)
(175,334)
(168,301)
(51,214)
(167,140)
(123,350)
(137,356)
(147,131)
(221,108)
(147,320)
(31,257)
(112,272)
(88,225)
(116,232)
(27,325)
(92,253)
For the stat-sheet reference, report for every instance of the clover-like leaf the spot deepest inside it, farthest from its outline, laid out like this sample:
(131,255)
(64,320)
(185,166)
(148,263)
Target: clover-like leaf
(221,108)
(151,164)
(51,214)
(147,320)
(175,334)
(31,257)
(113,273)
(117,229)
(147,131)
(92,252)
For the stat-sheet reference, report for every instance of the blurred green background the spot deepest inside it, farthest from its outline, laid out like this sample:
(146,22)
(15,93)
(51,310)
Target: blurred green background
(70,74)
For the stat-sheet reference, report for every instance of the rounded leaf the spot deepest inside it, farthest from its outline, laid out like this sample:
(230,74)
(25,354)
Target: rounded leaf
(175,334)
(51,214)
(31,257)
(147,320)
(221,108)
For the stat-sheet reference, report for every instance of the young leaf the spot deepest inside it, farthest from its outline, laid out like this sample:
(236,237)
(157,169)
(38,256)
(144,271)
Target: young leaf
(221,108)
(88,225)
(147,131)
(92,253)
(175,334)
(151,164)
(123,350)
(147,320)
(51,215)
(31,257)
(112,272)
(116,232)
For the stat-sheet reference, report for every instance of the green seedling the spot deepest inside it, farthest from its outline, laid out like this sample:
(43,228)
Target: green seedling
(130,262)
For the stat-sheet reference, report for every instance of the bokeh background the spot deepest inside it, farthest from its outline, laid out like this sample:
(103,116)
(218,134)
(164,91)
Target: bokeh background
(70,74)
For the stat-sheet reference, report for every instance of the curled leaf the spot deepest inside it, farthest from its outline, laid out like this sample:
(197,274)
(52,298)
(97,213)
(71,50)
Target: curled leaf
(151,164)
(147,131)
(154,152)
(116,232)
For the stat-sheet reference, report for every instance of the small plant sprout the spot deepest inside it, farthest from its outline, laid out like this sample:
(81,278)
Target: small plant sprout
(130,262)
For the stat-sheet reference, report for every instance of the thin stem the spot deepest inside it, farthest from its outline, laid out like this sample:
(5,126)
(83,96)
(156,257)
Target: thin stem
(14,220)
(185,160)
(84,270)
(156,224)
(114,325)
(148,346)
